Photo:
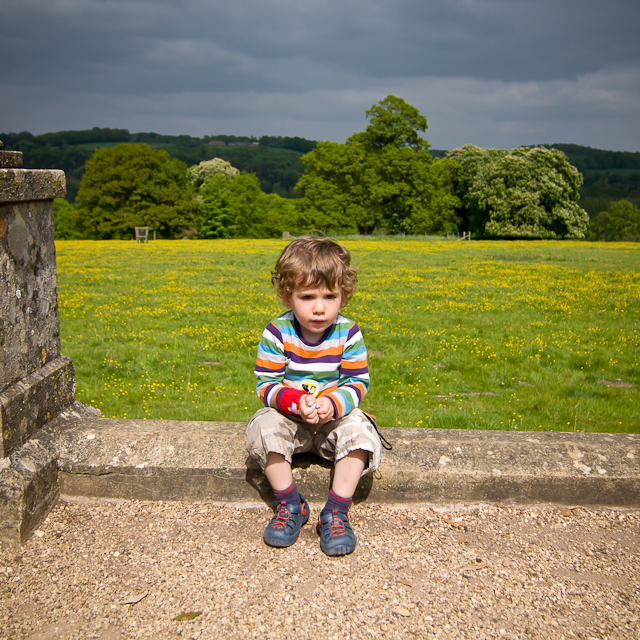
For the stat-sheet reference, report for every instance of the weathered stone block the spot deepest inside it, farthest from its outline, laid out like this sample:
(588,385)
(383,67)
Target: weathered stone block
(28,489)
(10,159)
(30,403)
(24,185)
(30,335)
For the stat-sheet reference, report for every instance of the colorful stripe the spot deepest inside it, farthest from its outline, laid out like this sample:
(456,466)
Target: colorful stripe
(338,363)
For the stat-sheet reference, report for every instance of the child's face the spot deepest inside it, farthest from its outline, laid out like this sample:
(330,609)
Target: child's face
(315,308)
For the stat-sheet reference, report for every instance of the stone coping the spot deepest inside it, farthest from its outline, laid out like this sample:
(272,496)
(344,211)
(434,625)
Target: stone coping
(207,461)
(19,185)
(10,159)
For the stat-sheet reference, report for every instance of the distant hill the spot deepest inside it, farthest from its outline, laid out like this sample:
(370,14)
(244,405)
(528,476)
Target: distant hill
(608,175)
(274,159)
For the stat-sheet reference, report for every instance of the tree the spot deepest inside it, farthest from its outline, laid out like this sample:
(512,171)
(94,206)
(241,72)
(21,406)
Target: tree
(621,221)
(334,191)
(67,224)
(383,176)
(200,173)
(134,185)
(393,123)
(530,192)
(237,207)
(437,213)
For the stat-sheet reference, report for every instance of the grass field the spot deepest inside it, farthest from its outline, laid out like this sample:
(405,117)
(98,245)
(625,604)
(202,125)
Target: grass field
(479,335)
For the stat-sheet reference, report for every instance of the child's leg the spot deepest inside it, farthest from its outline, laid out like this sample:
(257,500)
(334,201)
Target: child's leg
(292,511)
(348,471)
(271,440)
(346,476)
(336,535)
(278,472)
(356,445)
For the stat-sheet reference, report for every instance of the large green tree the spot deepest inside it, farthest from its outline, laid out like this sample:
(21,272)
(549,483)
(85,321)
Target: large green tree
(393,122)
(530,192)
(333,188)
(381,177)
(135,185)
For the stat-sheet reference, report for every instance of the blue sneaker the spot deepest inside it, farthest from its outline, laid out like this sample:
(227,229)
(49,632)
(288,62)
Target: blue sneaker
(336,535)
(284,528)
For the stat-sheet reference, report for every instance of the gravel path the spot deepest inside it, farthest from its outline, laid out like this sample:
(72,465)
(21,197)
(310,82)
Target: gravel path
(129,569)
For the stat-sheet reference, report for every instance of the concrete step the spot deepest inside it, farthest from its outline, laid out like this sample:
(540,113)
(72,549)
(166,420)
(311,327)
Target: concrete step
(207,461)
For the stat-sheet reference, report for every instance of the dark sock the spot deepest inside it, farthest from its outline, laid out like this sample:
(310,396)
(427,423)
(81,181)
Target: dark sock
(336,503)
(290,495)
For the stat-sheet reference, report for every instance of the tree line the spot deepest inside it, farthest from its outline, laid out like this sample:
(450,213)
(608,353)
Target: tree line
(608,176)
(381,179)
(275,160)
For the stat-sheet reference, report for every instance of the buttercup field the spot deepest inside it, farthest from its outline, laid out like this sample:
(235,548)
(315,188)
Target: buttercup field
(474,335)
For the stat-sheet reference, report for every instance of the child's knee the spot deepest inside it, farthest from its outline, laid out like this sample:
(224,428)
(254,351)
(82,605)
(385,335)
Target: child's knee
(355,433)
(267,433)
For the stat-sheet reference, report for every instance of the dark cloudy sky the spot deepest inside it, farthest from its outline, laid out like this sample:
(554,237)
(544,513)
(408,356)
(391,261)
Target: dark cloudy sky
(496,73)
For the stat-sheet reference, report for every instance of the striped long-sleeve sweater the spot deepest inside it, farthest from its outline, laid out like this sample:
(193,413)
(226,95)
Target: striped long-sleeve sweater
(338,362)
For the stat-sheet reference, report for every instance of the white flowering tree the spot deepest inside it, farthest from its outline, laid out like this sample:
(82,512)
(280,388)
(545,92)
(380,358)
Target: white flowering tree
(207,169)
(530,192)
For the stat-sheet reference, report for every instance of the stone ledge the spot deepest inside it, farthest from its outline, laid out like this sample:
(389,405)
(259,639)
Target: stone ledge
(19,185)
(29,404)
(206,461)
(28,489)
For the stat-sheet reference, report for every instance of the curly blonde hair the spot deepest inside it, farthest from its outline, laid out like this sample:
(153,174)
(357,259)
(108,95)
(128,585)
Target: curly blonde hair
(310,261)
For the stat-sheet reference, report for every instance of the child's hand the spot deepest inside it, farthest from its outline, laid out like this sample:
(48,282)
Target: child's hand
(324,409)
(316,410)
(308,409)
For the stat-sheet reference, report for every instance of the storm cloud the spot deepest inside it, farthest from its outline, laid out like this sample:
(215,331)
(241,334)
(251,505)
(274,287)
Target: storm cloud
(497,73)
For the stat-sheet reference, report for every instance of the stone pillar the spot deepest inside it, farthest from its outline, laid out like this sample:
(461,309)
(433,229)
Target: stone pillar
(36,381)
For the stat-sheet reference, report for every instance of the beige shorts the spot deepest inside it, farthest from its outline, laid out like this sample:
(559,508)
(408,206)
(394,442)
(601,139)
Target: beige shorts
(271,432)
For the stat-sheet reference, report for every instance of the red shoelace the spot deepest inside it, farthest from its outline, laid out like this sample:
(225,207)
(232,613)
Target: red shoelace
(336,525)
(281,517)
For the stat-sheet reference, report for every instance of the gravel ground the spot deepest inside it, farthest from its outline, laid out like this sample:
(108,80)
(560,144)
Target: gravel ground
(112,570)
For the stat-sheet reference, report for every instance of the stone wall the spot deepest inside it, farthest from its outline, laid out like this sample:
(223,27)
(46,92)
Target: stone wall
(36,381)
(29,302)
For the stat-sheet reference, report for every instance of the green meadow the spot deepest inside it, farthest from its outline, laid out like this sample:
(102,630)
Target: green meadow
(529,336)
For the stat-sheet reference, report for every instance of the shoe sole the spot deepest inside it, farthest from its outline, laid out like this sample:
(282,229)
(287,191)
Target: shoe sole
(338,551)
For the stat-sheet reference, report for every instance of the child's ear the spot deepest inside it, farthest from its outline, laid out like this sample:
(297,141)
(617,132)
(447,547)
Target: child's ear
(286,300)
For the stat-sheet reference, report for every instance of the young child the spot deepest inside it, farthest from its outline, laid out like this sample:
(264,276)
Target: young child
(312,375)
